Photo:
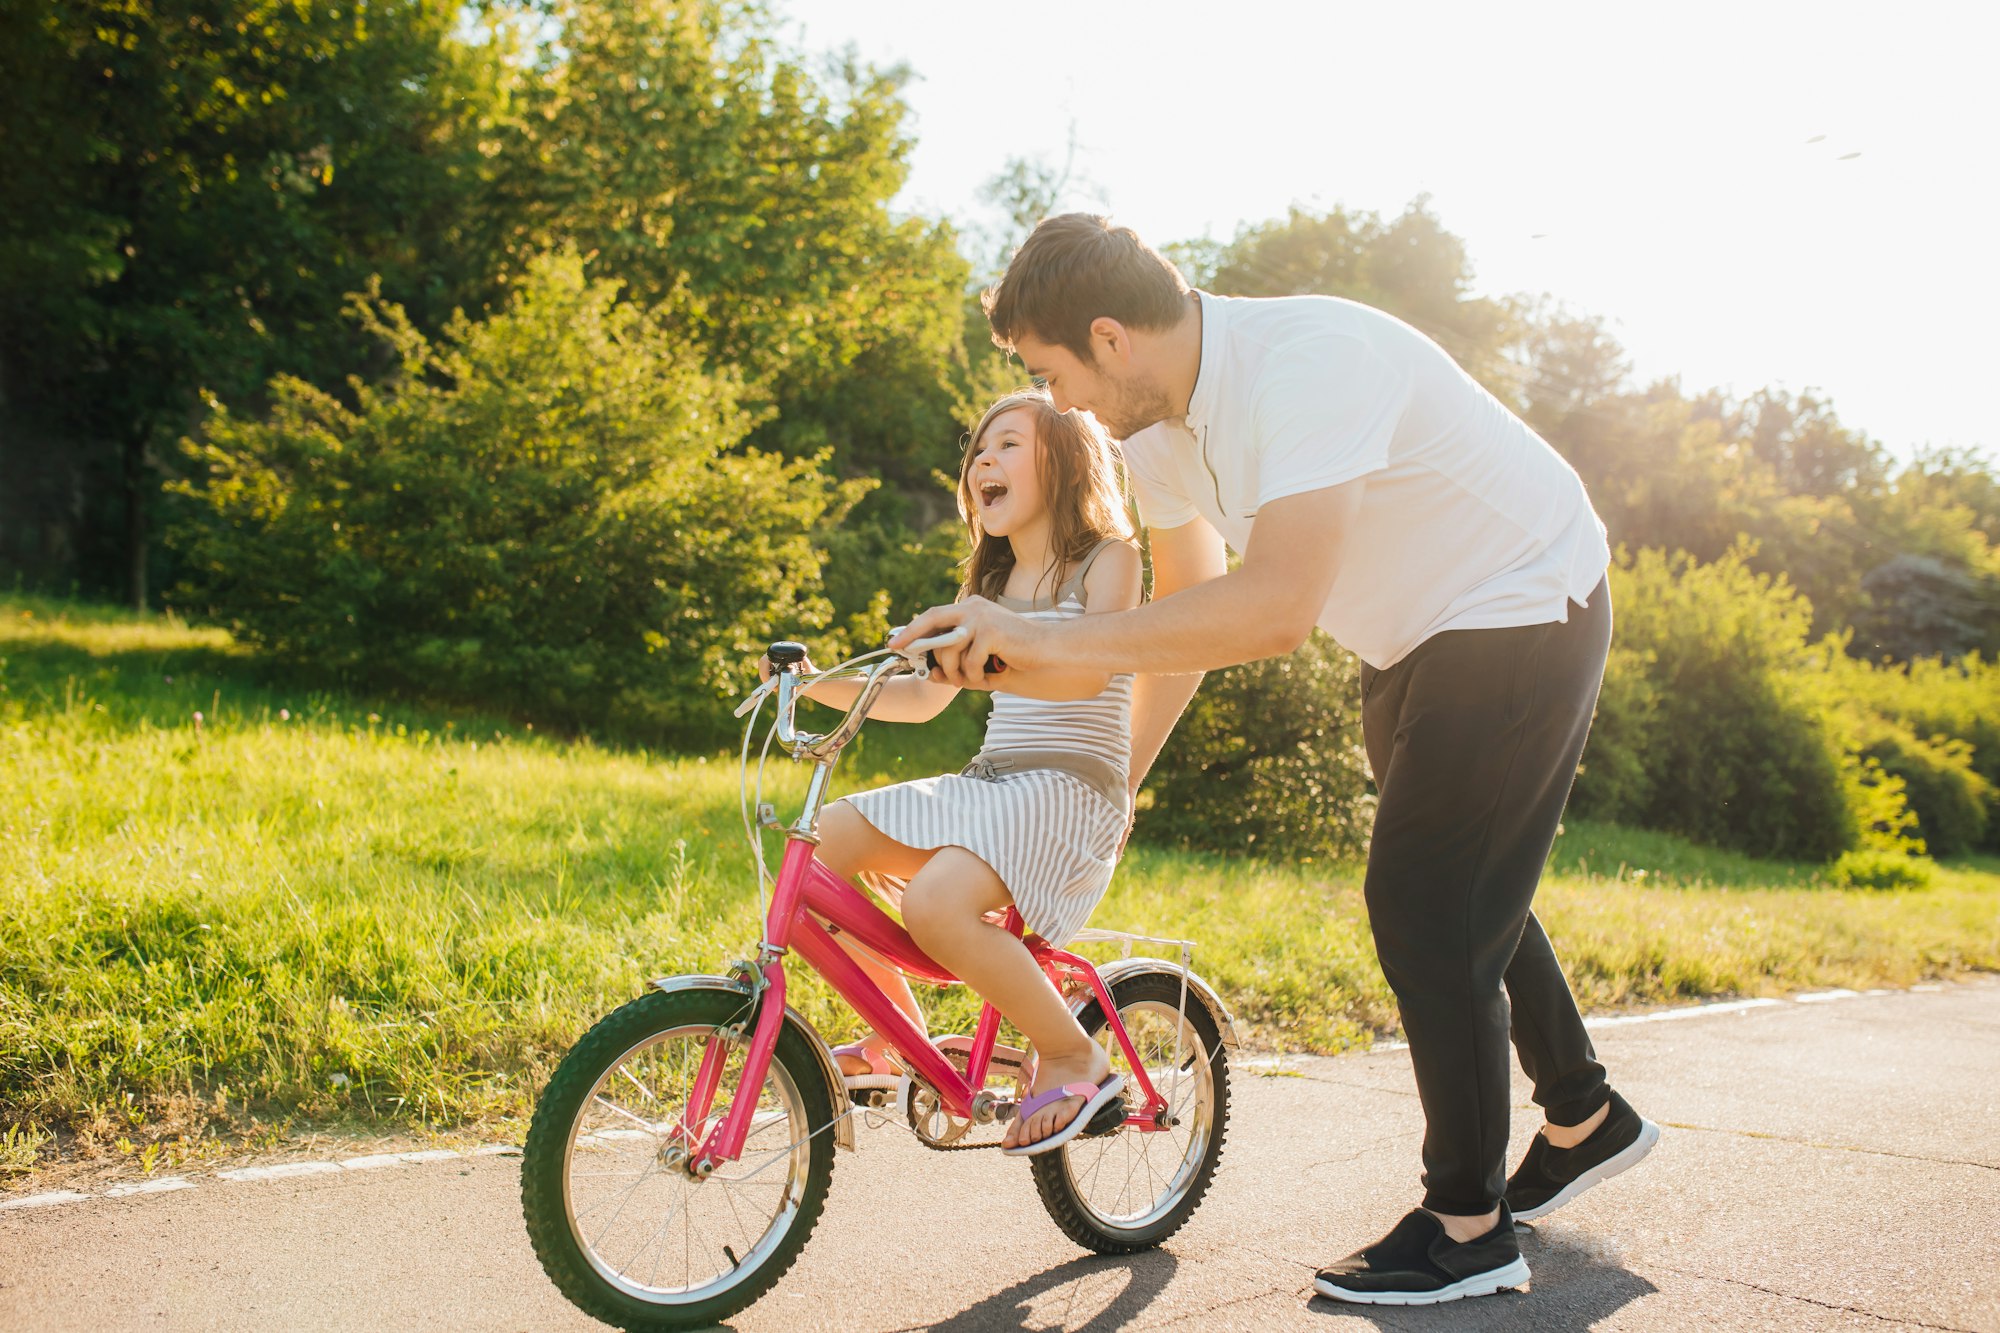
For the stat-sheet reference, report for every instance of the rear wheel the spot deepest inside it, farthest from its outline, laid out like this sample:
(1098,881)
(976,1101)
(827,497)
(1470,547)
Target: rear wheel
(621,1228)
(1130,1190)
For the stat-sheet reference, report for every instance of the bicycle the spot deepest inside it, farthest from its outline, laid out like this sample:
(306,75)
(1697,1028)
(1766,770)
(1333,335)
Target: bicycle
(682,1151)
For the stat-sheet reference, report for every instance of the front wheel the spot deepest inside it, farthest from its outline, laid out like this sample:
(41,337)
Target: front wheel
(1130,1190)
(621,1228)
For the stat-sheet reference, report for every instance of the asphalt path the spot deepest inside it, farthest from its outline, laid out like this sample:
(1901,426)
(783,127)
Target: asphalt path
(1825,1165)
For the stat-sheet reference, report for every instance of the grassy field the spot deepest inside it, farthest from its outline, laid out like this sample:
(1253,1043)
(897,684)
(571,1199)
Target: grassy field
(227,907)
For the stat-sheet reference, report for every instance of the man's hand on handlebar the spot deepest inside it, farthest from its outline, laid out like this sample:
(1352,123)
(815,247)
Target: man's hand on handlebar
(999,639)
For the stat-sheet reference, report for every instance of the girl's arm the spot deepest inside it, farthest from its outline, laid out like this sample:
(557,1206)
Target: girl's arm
(905,699)
(1111,585)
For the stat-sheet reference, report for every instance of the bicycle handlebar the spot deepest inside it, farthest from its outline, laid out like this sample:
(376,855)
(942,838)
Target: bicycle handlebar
(826,746)
(919,659)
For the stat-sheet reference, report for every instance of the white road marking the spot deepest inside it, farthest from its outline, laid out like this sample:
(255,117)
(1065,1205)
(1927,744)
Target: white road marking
(1691,1011)
(278,1171)
(45,1200)
(1622,1020)
(374,1160)
(281,1171)
(164,1185)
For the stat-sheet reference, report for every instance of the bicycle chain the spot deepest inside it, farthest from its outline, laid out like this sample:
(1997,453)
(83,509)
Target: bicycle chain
(954,1147)
(977,1147)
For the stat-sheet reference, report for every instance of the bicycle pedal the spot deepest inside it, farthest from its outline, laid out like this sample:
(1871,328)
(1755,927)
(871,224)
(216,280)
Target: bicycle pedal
(1108,1120)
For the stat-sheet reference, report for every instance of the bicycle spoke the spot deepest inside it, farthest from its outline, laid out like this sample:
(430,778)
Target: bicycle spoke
(616,1109)
(643,1089)
(666,1224)
(625,1211)
(729,1197)
(1155,1165)
(623,1199)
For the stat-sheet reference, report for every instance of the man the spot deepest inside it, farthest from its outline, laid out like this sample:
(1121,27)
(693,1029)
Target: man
(1372,488)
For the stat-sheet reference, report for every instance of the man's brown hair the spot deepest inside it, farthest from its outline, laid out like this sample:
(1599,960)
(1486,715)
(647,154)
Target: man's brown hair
(1075,267)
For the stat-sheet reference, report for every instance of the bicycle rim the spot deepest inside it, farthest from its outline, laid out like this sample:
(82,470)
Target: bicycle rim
(643,1224)
(1131,1180)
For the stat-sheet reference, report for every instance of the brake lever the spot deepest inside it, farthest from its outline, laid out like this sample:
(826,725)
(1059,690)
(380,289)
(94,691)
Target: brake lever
(756,696)
(922,656)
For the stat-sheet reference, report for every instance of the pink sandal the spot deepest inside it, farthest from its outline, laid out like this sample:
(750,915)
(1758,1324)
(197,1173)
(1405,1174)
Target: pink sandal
(1096,1096)
(883,1072)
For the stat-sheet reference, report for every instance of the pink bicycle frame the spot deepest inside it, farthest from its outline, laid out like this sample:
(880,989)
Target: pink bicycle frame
(810,905)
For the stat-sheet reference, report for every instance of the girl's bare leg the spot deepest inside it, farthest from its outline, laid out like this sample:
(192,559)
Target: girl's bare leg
(848,845)
(894,985)
(944,909)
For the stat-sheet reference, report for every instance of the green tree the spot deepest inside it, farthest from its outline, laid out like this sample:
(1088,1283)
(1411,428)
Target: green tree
(1700,474)
(191,189)
(1961,478)
(1409,266)
(693,159)
(543,512)
(1721,721)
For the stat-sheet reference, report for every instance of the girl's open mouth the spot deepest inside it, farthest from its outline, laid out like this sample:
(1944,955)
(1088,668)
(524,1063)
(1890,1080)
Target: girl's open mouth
(991,493)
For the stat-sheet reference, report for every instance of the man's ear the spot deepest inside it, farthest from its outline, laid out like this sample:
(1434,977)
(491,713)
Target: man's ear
(1107,335)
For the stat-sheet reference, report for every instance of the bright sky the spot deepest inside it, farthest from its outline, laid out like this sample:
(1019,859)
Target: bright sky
(1685,171)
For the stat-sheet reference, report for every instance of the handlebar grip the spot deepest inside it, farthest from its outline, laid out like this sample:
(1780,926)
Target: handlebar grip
(955,635)
(994,666)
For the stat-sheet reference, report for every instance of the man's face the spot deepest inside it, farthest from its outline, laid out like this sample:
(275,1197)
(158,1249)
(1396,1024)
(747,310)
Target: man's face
(1115,389)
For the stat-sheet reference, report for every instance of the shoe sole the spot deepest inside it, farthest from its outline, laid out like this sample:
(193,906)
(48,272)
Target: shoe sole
(1649,1134)
(1110,1094)
(1483,1284)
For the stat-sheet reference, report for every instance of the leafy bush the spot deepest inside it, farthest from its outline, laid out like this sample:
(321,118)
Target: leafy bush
(538,513)
(1920,606)
(1268,758)
(1712,723)
(1958,701)
(1947,797)
(1614,781)
(1874,868)
(880,572)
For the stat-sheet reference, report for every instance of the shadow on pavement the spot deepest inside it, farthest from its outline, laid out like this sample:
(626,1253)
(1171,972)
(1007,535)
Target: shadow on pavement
(1083,1295)
(1577,1284)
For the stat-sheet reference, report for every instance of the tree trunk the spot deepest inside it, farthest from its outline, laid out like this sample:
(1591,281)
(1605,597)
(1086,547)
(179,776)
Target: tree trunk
(135,517)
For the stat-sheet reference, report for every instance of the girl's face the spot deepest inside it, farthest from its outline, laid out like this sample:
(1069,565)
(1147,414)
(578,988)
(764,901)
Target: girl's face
(1005,474)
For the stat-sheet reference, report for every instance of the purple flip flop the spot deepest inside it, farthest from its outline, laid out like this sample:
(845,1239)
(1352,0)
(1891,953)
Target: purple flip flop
(1096,1096)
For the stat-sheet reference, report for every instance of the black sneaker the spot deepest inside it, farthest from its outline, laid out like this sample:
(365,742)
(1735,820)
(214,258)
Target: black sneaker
(1418,1264)
(1550,1177)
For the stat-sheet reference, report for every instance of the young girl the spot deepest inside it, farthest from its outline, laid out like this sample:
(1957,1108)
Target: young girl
(1036,820)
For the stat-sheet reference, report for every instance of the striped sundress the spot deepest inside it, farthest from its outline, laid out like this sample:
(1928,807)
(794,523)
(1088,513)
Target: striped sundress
(1045,801)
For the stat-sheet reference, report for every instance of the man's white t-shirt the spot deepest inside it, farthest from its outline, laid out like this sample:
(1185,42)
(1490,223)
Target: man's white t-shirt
(1469,520)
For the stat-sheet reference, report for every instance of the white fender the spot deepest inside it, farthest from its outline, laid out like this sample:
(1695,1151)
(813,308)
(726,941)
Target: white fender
(1119,968)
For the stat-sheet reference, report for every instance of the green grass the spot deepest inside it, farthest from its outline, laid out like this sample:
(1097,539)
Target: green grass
(224,903)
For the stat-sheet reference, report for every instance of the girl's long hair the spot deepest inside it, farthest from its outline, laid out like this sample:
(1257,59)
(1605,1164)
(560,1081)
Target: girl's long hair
(1079,475)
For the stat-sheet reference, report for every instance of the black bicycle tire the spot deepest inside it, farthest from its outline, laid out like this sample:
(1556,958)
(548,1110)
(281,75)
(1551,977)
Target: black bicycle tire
(1051,1175)
(548,1136)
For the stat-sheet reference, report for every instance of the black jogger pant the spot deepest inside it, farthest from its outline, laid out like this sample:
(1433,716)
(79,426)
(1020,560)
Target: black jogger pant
(1474,740)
